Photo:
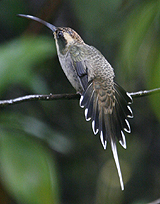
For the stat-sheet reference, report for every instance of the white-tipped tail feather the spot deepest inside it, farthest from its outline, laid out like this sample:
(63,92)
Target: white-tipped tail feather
(107,107)
(123,142)
(104,142)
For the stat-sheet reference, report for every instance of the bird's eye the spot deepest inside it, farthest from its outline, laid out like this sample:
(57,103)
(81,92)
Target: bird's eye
(59,34)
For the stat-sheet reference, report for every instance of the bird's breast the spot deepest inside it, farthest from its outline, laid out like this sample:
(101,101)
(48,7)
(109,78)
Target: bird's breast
(70,71)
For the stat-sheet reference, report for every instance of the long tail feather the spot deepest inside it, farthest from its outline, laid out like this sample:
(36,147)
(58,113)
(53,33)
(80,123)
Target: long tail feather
(107,105)
(115,155)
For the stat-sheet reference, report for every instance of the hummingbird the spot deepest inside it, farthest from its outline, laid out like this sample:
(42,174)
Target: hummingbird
(106,104)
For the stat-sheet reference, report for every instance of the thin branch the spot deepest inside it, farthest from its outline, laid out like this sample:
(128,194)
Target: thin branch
(144,93)
(65,96)
(38,98)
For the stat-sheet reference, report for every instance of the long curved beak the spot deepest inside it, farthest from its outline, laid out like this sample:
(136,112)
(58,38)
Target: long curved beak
(48,25)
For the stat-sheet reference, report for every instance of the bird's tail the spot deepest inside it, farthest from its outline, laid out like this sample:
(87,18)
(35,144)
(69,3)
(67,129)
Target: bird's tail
(107,106)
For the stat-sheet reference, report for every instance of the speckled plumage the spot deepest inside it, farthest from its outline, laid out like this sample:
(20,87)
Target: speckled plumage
(106,103)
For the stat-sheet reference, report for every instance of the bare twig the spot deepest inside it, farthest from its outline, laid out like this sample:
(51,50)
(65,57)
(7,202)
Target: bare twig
(144,93)
(65,96)
(37,98)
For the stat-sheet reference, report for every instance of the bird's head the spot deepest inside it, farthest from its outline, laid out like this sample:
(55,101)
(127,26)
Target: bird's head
(64,36)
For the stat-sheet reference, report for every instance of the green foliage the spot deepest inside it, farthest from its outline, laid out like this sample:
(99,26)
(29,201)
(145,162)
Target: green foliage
(141,48)
(27,166)
(28,169)
(18,57)
(138,25)
(99,23)
(42,142)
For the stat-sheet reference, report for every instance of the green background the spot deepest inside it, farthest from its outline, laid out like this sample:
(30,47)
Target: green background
(48,153)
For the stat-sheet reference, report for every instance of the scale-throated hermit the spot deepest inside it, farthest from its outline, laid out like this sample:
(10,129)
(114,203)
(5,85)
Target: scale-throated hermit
(106,103)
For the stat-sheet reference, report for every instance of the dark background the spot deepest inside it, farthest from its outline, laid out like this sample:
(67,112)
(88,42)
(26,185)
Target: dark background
(48,153)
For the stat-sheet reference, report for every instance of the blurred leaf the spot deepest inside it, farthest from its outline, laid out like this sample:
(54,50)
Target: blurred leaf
(58,142)
(38,129)
(28,169)
(153,67)
(18,57)
(138,25)
(140,49)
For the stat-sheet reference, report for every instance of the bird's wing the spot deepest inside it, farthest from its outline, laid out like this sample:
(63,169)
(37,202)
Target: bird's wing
(78,62)
(82,73)
(107,106)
